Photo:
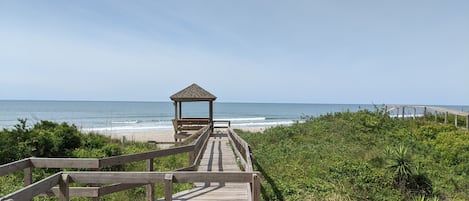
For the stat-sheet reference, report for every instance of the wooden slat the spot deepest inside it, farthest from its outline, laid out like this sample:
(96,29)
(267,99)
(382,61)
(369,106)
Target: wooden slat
(124,159)
(34,189)
(158,177)
(200,146)
(238,154)
(14,166)
(28,176)
(65,162)
(78,191)
(197,135)
(168,187)
(235,177)
(64,194)
(255,188)
(104,190)
(150,187)
(117,177)
(95,191)
(242,150)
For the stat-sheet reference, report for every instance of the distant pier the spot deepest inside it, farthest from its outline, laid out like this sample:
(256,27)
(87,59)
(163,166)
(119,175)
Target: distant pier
(401,109)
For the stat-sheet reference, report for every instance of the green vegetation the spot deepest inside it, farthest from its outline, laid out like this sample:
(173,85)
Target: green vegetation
(364,155)
(49,139)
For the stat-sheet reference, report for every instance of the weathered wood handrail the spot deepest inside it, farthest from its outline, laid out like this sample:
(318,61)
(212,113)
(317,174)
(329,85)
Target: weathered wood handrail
(130,179)
(199,146)
(242,150)
(35,189)
(124,159)
(190,123)
(197,135)
(87,163)
(125,180)
(15,166)
(94,163)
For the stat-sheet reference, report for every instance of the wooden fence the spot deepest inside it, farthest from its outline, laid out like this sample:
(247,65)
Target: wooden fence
(130,179)
(401,109)
(118,181)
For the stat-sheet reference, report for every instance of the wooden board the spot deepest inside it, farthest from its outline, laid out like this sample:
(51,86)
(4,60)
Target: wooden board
(218,157)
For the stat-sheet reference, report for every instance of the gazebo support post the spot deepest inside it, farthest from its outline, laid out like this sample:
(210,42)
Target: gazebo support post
(211,114)
(180,110)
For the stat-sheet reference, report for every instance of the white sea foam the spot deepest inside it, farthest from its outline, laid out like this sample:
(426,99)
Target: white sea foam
(166,125)
(242,119)
(120,129)
(126,122)
(263,124)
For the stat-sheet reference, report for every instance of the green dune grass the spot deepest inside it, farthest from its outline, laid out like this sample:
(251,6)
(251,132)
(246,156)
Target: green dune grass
(362,156)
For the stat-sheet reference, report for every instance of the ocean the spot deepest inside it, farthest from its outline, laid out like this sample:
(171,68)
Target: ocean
(119,117)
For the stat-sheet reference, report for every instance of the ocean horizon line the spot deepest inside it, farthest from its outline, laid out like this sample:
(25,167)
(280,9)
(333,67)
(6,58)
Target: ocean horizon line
(228,102)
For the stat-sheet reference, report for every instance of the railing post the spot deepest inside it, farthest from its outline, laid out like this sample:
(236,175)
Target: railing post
(191,157)
(255,188)
(64,194)
(424,113)
(168,187)
(28,176)
(96,185)
(467,122)
(415,112)
(150,187)
(455,120)
(403,112)
(446,117)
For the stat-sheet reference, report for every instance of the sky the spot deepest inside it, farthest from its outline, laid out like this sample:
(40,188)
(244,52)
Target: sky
(315,51)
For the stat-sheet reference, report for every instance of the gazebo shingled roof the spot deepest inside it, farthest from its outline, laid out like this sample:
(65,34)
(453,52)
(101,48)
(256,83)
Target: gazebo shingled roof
(193,93)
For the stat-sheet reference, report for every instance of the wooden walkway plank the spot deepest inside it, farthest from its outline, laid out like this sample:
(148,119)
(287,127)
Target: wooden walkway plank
(218,157)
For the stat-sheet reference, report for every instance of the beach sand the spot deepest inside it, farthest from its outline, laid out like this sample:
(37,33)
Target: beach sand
(160,135)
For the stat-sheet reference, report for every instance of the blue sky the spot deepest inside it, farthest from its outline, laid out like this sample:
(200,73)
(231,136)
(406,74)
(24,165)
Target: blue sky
(410,52)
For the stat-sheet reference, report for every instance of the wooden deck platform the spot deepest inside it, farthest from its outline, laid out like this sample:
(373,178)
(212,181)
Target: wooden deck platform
(218,157)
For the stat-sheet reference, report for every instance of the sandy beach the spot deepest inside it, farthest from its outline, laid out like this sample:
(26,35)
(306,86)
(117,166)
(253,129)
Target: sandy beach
(161,135)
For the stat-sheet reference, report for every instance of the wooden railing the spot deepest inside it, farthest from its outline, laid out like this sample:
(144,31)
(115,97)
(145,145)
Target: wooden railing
(195,151)
(426,109)
(64,179)
(241,149)
(118,181)
(190,123)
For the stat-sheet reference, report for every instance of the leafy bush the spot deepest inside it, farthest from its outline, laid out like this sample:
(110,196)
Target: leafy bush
(341,156)
(50,139)
(45,139)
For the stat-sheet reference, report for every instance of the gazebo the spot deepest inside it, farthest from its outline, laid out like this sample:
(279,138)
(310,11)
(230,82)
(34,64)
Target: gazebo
(193,93)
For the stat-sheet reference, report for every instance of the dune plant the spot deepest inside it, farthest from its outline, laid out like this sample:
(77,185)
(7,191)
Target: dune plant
(400,163)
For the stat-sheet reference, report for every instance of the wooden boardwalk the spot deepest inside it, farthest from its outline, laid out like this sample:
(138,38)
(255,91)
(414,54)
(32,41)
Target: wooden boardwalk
(427,109)
(218,157)
(218,175)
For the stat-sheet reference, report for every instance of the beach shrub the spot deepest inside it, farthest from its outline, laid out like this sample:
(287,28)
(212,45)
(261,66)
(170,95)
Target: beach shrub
(343,156)
(44,139)
(453,149)
(50,139)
